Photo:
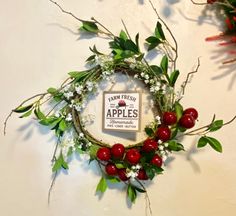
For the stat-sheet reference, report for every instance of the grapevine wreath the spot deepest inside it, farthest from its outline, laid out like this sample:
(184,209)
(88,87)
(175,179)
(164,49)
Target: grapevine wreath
(226,11)
(140,162)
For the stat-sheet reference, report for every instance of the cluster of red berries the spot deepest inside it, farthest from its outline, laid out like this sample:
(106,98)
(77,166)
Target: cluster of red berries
(187,121)
(133,156)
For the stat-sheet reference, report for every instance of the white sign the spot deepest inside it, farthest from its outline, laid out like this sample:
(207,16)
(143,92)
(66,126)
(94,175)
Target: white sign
(121,111)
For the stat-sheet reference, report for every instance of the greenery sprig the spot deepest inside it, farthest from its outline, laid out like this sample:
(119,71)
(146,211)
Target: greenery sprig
(139,162)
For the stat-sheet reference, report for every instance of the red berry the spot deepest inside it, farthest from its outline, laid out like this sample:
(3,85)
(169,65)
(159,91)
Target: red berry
(169,118)
(117,151)
(187,121)
(104,154)
(191,111)
(156,160)
(133,156)
(149,145)
(163,133)
(111,169)
(122,174)
(142,175)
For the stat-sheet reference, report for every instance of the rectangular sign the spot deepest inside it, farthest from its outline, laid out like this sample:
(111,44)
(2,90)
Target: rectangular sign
(121,111)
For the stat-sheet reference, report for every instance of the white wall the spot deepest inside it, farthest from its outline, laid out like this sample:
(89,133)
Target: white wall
(39,45)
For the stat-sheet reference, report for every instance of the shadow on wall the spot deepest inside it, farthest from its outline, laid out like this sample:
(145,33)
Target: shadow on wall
(212,15)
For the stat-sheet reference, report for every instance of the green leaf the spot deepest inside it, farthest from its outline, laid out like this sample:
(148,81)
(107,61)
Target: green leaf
(130,45)
(216,125)
(150,172)
(94,50)
(152,46)
(202,142)
(52,91)
(93,151)
(120,165)
(112,179)
(140,190)
(60,163)
(90,58)
(26,114)
(159,31)
(140,57)
(131,193)
(173,77)
(22,109)
(164,64)
(137,41)
(149,131)
(39,114)
(79,76)
(156,69)
(214,143)
(174,146)
(62,125)
(70,151)
(89,27)
(152,39)
(178,110)
(102,185)
(123,35)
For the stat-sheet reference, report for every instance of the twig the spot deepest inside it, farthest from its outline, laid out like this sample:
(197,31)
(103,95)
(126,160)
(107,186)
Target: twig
(96,21)
(66,12)
(197,3)
(147,197)
(170,32)
(230,121)
(51,186)
(126,30)
(6,120)
(188,76)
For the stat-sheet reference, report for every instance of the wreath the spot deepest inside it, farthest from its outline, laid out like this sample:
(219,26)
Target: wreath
(137,163)
(226,11)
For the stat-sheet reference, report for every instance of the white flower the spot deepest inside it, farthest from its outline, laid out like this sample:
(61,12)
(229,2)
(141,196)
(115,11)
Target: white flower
(90,86)
(157,88)
(161,148)
(78,107)
(79,89)
(152,89)
(142,74)
(158,119)
(66,88)
(146,81)
(57,114)
(166,145)
(132,174)
(162,152)
(68,95)
(136,76)
(164,157)
(138,167)
(132,66)
(146,76)
(69,117)
(152,81)
(89,144)
(160,142)
(81,135)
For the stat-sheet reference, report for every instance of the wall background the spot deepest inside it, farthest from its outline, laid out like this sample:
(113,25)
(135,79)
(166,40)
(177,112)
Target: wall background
(39,45)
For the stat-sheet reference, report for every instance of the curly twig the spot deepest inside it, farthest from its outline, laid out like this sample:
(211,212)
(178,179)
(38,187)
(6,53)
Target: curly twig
(188,76)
